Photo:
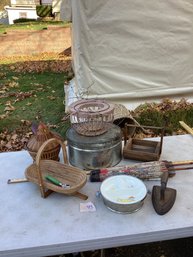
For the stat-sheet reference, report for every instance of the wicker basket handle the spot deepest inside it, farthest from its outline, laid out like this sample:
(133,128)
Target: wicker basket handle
(45,193)
(43,146)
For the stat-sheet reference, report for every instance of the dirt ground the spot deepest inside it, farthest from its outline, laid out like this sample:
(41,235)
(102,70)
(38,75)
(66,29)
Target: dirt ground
(57,40)
(22,43)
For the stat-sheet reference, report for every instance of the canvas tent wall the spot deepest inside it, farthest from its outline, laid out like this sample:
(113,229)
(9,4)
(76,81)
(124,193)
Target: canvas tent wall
(132,51)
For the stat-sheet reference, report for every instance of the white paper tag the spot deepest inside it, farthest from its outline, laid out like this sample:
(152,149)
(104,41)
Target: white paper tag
(87,207)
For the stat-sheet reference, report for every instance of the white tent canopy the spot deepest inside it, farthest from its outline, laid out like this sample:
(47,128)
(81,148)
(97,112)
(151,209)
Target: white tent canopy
(132,51)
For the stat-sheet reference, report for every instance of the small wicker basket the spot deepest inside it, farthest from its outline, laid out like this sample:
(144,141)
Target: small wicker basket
(65,173)
(123,116)
(42,134)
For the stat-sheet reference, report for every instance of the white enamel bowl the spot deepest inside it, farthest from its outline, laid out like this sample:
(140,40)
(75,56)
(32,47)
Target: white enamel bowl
(123,193)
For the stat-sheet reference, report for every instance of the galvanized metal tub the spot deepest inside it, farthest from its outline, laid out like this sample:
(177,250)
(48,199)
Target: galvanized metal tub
(123,193)
(95,152)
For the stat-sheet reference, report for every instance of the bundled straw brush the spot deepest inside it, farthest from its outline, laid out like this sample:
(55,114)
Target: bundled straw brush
(145,170)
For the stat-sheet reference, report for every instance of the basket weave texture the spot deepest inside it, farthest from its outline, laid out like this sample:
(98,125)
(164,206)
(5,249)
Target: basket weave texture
(65,173)
(51,151)
(121,112)
(91,117)
(123,116)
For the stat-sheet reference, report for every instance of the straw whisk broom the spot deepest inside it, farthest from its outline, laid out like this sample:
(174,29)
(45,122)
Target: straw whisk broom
(145,170)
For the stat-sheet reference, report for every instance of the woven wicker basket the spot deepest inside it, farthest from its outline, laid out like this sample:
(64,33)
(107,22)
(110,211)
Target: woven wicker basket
(91,117)
(51,154)
(65,173)
(42,134)
(122,116)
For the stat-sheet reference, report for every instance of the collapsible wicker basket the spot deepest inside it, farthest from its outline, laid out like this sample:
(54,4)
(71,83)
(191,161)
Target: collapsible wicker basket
(65,173)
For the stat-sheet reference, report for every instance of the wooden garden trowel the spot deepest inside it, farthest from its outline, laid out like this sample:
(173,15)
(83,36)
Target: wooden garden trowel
(163,198)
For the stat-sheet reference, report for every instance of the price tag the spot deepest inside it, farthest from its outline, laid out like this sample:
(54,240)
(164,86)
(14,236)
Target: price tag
(87,207)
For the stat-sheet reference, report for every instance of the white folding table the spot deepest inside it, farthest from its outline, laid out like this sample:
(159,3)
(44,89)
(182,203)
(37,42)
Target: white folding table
(33,226)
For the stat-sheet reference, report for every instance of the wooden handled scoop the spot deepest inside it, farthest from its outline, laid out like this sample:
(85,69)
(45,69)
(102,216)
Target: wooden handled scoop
(163,198)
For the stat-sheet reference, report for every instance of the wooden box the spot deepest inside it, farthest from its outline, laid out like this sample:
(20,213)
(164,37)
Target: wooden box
(142,149)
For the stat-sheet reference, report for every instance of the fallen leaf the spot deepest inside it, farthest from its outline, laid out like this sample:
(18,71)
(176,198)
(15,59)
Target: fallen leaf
(13,137)
(40,89)
(2,75)
(15,78)
(13,84)
(3,143)
(9,108)
(26,122)
(2,91)
(3,116)
(8,145)
(8,103)
(12,67)
(51,97)
(29,134)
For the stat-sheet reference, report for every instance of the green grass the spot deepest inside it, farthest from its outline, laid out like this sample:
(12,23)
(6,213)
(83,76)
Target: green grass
(36,25)
(45,103)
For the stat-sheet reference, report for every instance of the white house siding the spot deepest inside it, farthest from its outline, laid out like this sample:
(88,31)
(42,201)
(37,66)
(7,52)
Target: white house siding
(24,9)
(16,13)
(30,2)
(47,2)
(25,2)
